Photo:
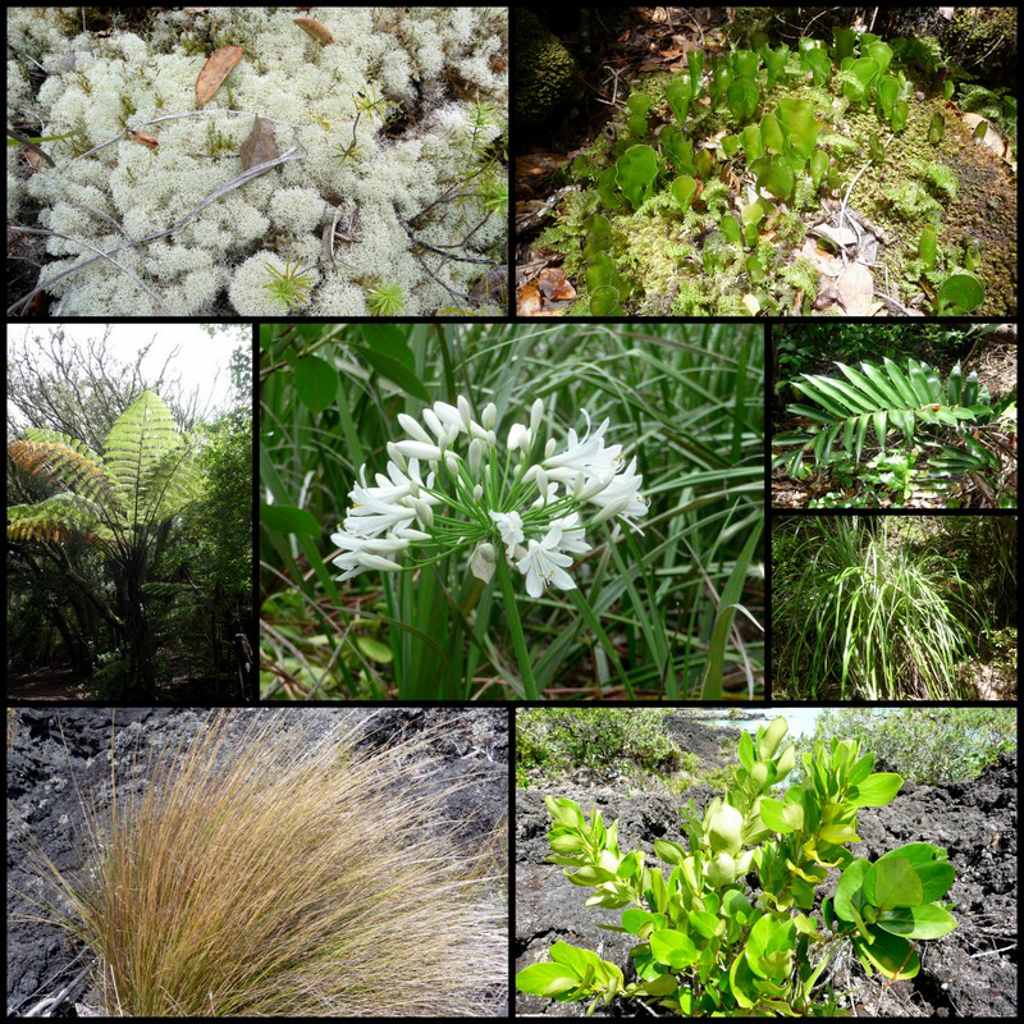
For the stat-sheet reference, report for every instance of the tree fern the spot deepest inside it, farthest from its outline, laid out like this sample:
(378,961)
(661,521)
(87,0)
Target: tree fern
(881,398)
(145,478)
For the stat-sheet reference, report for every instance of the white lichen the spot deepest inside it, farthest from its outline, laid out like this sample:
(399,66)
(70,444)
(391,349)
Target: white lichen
(438,62)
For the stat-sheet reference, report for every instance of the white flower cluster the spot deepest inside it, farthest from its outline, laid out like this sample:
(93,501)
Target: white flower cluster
(530,501)
(99,85)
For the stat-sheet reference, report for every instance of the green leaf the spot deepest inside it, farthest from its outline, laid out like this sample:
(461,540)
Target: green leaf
(927,921)
(816,61)
(865,69)
(394,371)
(669,852)
(892,882)
(771,133)
(799,123)
(771,815)
(961,292)
(679,93)
(316,382)
(850,884)
(743,97)
(888,93)
(838,834)
(604,301)
(731,229)
(931,865)
(564,811)
(663,985)
(389,340)
(683,189)
(890,954)
(746,751)
(875,791)
(636,921)
(546,980)
(672,948)
(287,519)
(750,138)
(635,172)
(376,651)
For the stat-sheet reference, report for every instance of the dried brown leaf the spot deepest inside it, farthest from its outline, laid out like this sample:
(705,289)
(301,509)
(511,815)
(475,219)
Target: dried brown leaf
(261,145)
(856,290)
(150,140)
(554,285)
(314,29)
(215,70)
(529,300)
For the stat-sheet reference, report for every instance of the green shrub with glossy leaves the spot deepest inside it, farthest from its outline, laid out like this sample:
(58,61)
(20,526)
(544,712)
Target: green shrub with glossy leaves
(705,946)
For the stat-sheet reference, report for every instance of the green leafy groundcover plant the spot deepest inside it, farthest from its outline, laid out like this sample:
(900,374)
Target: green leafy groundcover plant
(704,949)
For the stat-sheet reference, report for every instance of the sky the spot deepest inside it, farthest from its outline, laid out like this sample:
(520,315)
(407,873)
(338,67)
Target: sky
(198,362)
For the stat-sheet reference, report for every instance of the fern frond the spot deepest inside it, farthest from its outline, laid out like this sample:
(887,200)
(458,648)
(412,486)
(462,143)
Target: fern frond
(62,462)
(37,434)
(56,519)
(881,397)
(140,438)
(164,589)
(170,483)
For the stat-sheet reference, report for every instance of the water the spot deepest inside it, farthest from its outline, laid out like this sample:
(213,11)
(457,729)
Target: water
(801,720)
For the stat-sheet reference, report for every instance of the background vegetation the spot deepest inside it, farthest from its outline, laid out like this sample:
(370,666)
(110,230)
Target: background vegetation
(66,598)
(687,401)
(924,745)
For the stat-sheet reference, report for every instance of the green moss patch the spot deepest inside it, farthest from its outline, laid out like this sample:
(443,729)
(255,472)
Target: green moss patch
(735,209)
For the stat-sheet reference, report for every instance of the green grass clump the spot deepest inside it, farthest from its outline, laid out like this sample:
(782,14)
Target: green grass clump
(855,610)
(270,872)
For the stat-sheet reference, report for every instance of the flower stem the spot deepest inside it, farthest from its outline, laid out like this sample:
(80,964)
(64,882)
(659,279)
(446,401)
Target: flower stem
(512,610)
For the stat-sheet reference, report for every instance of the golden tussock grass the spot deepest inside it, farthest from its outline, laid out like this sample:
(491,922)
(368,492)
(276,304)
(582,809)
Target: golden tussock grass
(270,869)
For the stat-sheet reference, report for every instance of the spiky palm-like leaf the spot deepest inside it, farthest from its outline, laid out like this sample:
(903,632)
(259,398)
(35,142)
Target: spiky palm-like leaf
(881,397)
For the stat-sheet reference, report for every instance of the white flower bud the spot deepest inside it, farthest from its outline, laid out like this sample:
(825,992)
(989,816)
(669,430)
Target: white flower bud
(418,450)
(413,428)
(549,448)
(492,439)
(518,437)
(431,420)
(465,412)
(377,562)
(489,416)
(476,454)
(452,462)
(478,493)
(396,456)
(424,513)
(542,483)
(535,414)
(482,562)
(610,511)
